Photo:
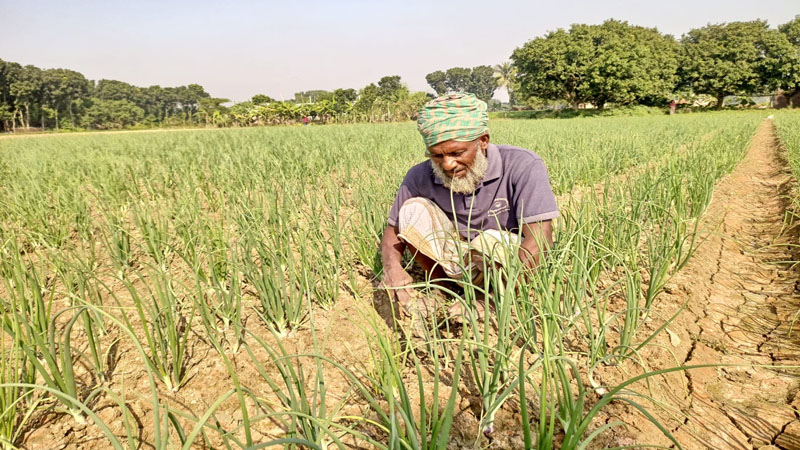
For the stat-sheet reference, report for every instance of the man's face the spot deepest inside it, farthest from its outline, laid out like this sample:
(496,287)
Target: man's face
(455,158)
(460,166)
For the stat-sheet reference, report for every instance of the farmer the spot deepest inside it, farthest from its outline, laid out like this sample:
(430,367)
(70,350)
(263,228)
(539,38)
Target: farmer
(491,190)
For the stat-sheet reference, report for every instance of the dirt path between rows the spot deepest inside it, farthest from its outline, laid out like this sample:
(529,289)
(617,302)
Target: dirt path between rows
(741,304)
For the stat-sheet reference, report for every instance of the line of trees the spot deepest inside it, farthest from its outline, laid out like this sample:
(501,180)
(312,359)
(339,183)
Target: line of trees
(64,99)
(387,100)
(60,99)
(623,64)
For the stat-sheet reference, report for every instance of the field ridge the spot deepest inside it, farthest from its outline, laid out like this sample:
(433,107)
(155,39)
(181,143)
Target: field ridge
(742,300)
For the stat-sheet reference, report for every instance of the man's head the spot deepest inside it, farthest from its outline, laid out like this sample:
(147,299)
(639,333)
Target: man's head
(456,133)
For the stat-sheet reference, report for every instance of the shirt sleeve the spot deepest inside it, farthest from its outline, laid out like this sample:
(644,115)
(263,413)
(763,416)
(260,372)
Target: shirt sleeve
(408,189)
(533,197)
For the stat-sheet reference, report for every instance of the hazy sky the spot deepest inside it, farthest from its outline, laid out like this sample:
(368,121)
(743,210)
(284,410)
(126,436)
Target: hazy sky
(239,48)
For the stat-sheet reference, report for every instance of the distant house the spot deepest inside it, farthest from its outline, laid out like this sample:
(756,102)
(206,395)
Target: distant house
(783,100)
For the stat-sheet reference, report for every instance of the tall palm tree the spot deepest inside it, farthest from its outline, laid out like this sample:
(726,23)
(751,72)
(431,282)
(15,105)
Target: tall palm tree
(504,74)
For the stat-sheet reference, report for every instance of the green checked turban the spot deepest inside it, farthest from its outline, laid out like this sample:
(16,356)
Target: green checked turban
(461,117)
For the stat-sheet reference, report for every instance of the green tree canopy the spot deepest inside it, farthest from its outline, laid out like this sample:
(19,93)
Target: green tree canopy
(57,97)
(389,99)
(108,114)
(737,58)
(482,82)
(345,95)
(26,89)
(612,62)
(437,82)
(790,72)
(261,99)
(457,79)
(9,72)
(779,67)
(391,89)
(478,80)
(792,30)
(189,98)
(207,106)
(117,90)
(62,89)
(366,98)
(160,102)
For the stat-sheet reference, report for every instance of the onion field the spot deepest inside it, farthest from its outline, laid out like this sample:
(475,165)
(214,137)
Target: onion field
(220,289)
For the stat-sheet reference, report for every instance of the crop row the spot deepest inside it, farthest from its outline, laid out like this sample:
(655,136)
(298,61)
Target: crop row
(788,127)
(237,238)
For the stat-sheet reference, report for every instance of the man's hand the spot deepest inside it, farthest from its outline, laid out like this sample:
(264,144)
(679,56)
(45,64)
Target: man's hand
(394,280)
(394,276)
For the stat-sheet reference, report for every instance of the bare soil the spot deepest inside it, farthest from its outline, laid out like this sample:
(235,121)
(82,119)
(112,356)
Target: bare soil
(741,295)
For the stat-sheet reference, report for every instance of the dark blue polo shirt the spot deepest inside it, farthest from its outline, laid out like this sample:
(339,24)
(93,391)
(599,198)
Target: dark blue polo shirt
(515,190)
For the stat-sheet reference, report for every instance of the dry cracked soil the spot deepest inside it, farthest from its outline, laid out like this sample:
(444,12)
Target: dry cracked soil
(741,300)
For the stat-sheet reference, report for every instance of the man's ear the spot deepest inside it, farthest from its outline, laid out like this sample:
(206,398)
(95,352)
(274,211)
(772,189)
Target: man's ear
(484,140)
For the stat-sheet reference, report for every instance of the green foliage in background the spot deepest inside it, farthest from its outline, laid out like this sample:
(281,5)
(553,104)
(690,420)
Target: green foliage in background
(614,62)
(479,80)
(738,58)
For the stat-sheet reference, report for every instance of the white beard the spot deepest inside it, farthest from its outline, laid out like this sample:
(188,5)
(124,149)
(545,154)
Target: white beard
(469,182)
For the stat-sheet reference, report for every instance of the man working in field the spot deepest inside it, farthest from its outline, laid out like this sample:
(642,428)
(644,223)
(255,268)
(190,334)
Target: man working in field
(491,191)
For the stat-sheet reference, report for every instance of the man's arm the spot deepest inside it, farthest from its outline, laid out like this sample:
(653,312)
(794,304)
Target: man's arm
(392,248)
(537,238)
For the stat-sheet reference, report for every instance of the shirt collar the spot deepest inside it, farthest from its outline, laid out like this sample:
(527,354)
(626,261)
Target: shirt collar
(495,169)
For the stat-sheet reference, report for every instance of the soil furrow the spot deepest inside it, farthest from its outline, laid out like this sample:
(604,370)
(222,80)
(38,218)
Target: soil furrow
(742,299)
